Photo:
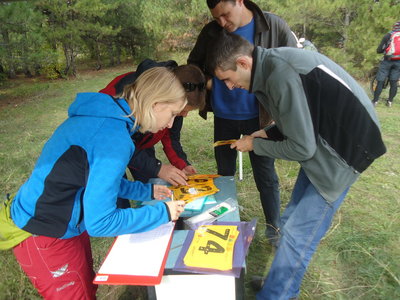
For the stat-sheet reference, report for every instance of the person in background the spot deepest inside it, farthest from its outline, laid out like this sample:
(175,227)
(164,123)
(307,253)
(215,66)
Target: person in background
(237,112)
(73,189)
(326,123)
(389,66)
(144,164)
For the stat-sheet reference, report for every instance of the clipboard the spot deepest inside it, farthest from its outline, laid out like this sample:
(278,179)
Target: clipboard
(137,259)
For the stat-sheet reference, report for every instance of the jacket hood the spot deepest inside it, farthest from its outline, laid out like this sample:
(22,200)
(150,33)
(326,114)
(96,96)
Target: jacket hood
(100,106)
(142,67)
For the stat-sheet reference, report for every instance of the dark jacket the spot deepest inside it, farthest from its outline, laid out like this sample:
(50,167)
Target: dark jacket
(384,44)
(270,32)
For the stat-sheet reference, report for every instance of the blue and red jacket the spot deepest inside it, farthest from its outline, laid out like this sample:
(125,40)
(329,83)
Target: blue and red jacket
(79,176)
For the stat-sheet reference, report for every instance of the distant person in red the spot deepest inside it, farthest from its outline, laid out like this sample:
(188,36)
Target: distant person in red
(144,165)
(390,64)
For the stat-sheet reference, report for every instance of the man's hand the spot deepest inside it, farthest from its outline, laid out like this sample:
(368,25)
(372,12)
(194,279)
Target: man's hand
(172,175)
(259,134)
(189,170)
(161,192)
(175,208)
(245,144)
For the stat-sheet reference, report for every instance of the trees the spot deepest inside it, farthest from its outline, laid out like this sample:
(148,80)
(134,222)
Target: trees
(50,35)
(55,33)
(22,41)
(348,31)
(74,24)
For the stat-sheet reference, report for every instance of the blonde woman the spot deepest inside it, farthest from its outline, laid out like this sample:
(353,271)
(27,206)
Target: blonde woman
(72,191)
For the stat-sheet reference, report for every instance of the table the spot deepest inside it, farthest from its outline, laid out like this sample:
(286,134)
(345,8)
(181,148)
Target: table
(183,286)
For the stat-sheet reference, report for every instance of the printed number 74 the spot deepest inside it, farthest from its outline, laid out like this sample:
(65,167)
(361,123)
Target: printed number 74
(213,246)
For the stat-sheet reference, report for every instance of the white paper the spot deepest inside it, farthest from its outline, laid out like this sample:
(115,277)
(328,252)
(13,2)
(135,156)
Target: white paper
(138,254)
(196,287)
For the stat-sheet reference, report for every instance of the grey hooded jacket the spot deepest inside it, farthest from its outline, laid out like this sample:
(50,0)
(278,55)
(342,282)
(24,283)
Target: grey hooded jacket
(327,120)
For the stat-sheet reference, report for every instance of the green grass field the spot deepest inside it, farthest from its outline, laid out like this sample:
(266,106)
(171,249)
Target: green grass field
(359,258)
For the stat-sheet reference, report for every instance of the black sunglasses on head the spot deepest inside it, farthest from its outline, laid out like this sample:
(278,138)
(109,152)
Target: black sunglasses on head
(190,86)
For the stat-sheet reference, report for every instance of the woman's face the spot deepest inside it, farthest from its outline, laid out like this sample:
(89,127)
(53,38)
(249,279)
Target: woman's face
(165,114)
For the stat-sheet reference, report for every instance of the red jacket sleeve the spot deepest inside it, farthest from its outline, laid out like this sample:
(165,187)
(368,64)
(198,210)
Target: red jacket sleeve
(172,145)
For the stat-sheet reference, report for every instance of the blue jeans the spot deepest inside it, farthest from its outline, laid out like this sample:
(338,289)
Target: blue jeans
(305,221)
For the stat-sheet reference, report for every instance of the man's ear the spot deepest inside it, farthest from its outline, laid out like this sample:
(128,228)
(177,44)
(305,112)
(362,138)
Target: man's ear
(243,62)
(240,2)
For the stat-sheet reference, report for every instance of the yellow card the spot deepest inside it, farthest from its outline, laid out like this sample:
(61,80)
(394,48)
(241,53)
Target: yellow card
(224,142)
(198,186)
(191,192)
(202,176)
(212,247)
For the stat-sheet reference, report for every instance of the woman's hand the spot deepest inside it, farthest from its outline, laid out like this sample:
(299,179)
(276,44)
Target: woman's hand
(161,192)
(172,175)
(175,208)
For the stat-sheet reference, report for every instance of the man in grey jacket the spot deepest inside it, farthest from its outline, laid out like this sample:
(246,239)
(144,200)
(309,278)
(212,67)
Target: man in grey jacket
(325,121)
(238,112)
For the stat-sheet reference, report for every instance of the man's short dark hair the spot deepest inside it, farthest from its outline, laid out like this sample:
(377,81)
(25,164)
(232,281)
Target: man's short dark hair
(213,3)
(225,51)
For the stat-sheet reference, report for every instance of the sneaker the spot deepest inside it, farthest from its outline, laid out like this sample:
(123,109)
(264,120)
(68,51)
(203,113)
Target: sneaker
(389,103)
(273,236)
(257,282)
(374,103)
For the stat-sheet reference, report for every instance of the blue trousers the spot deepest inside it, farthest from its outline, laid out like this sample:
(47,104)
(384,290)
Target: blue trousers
(391,69)
(305,221)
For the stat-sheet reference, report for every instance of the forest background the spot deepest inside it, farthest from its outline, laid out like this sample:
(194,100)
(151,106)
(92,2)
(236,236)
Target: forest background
(52,37)
(52,49)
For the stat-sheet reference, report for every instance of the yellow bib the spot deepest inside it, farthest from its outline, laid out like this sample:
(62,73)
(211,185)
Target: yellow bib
(212,247)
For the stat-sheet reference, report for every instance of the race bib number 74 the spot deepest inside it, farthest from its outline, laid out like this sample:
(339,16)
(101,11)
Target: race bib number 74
(212,247)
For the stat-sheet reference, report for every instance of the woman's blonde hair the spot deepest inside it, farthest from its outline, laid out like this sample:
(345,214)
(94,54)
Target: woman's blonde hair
(156,85)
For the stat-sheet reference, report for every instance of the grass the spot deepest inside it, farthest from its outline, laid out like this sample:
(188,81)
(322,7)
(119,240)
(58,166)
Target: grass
(359,258)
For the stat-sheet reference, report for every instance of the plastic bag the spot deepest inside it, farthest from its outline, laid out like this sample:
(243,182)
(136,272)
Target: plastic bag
(246,235)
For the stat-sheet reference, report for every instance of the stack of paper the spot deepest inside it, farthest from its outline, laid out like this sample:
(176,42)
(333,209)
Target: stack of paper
(137,259)
(197,186)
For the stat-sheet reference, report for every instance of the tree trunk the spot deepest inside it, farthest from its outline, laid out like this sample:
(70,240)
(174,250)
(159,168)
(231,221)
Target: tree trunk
(346,27)
(98,56)
(118,53)
(111,54)
(70,68)
(11,73)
